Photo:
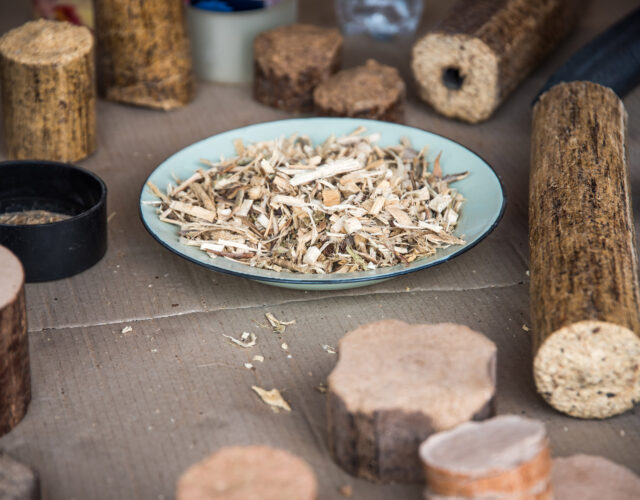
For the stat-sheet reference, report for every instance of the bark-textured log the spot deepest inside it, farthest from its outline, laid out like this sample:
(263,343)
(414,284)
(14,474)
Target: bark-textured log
(48,91)
(15,378)
(249,472)
(505,457)
(584,268)
(395,384)
(17,481)
(143,53)
(473,60)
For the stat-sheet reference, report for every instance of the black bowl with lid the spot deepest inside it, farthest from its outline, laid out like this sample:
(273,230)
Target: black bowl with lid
(53,250)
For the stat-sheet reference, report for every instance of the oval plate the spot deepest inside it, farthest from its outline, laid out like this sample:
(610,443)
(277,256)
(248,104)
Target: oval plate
(482,210)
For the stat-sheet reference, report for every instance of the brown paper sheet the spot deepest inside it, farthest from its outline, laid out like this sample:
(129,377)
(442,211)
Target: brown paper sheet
(122,415)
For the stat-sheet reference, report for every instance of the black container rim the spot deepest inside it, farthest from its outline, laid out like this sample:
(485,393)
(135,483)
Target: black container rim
(69,166)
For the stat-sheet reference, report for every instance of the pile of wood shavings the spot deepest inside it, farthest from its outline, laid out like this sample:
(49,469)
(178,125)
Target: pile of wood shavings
(342,206)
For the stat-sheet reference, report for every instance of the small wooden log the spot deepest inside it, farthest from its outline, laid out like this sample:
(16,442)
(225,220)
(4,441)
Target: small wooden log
(585,296)
(290,61)
(243,472)
(473,60)
(17,481)
(143,53)
(588,477)
(15,377)
(395,384)
(504,457)
(373,90)
(48,91)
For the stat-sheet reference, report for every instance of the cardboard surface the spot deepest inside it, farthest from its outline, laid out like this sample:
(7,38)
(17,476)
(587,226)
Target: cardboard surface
(122,415)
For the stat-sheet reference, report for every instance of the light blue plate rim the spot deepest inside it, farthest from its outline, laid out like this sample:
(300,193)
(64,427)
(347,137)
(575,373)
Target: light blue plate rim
(344,278)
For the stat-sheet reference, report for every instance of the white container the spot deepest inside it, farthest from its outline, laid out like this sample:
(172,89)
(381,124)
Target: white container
(222,42)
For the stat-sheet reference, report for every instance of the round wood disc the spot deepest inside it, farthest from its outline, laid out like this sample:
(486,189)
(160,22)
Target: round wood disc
(243,472)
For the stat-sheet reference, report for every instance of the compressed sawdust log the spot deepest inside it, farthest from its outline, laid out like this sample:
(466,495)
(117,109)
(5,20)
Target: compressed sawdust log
(244,472)
(17,481)
(473,60)
(48,91)
(373,91)
(15,378)
(588,477)
(395,384)
(290,61)
(143,53)
(584,269)
(506,457)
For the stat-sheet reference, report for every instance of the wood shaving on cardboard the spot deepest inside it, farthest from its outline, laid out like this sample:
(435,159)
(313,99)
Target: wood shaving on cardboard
(345,205)
(245,341)
(126,329)
(273,398)
(277,325)
(248,366)
(258,358)
(525,327)
(321,388)
(346,490)
(329,349)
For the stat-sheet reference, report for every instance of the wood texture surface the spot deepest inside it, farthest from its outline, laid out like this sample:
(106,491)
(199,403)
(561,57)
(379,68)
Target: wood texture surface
(396,384)
(118,416)
(15,381)
(585,296)
(249,472)
(48,92)
(504,457)
(143,53)
(474,59)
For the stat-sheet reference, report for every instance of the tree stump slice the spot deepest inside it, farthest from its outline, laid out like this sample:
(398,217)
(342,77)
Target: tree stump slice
(588,477)
(48,91)
(505,457)
(143,53)
(243,472)
(585,294)
(290,62)
(471,62)
(17,481)
(374,91)
(15,377)
(395,384)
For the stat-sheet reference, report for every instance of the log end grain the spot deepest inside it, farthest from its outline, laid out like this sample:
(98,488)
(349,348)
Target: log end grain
(589,369)
(395,384)
(374,91)
(48,91)
(15,381)
(45,42)
(503,456)
(17,481)
(243,472)
(588,477)
(457,75)
(290,61)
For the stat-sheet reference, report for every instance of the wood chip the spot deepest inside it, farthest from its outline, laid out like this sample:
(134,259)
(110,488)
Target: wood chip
(273,398)
(277,325)
(346,490)
(329,349)
(245,341)
(294,206)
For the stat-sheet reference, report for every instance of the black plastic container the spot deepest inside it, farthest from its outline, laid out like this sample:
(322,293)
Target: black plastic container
(58,249)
